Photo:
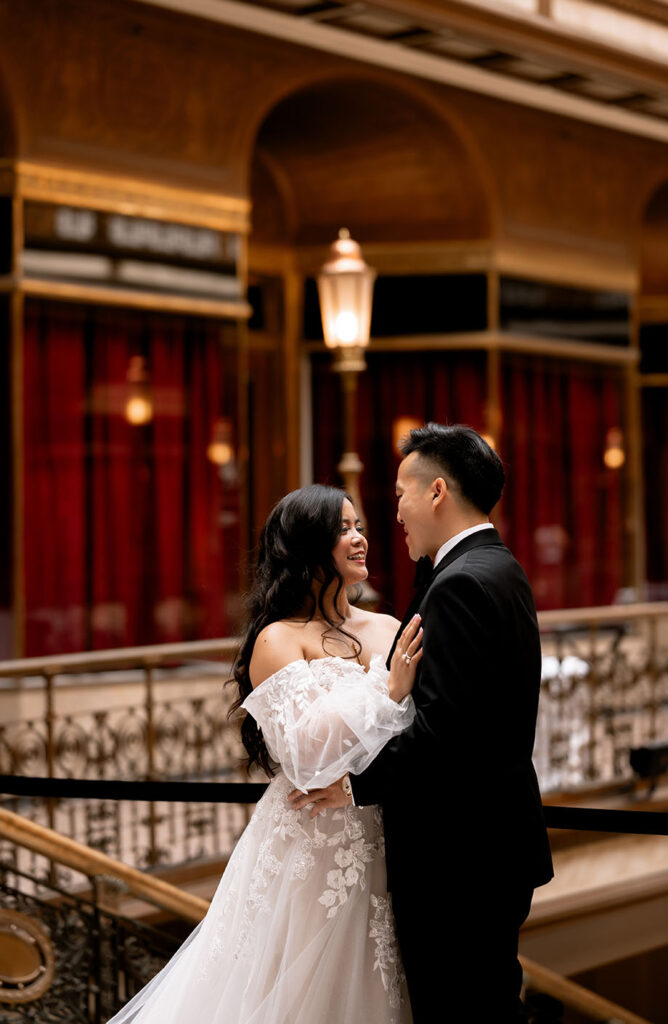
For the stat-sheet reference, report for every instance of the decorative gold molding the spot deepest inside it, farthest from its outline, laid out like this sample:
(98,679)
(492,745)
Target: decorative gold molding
(353,46)
(131,196)
(653,380)
(540,257)
(537,257)
(463,257)
(501,341)
(99,295)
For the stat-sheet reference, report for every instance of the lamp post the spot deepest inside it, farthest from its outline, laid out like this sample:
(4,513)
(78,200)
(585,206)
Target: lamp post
(345,290)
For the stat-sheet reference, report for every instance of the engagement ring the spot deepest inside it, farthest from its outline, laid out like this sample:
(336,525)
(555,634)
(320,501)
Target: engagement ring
(407,658)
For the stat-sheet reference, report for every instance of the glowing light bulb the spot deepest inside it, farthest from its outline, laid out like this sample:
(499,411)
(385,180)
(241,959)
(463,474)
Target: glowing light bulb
(614,458)
(138,410)
(139,404)
(614,455)
(346,327)
(220,453)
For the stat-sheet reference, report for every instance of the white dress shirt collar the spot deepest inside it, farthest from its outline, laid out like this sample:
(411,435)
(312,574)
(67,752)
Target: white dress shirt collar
(449,544)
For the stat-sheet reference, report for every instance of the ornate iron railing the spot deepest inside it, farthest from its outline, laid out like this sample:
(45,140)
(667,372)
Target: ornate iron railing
(161,712)
(68,958)
(140,713)
(604,691)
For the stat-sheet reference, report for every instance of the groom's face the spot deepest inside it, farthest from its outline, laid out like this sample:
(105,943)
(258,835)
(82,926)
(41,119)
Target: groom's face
(415,506)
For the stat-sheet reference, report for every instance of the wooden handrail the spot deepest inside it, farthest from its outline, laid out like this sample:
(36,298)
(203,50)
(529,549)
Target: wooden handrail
(576,996)
(157,654)
(93,863)
(151,655)
(604,614)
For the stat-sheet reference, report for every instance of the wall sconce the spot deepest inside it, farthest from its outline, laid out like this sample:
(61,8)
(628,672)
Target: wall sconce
(220,449)
(139,403)
(614,455)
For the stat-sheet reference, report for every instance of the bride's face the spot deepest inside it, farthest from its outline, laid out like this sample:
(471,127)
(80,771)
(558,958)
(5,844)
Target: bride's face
(349,553)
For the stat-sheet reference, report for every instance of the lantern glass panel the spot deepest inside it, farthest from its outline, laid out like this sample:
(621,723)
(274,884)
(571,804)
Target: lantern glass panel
(345,302)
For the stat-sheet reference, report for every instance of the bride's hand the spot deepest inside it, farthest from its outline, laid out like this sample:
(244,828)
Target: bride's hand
(405,660)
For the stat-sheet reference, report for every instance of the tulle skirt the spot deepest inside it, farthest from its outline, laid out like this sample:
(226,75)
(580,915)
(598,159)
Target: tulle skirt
(300,930)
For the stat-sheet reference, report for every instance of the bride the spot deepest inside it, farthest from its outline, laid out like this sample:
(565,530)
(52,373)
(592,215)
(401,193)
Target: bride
(300,930)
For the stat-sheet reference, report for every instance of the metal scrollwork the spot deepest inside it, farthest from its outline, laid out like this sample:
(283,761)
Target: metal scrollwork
(65,959)
(604,691)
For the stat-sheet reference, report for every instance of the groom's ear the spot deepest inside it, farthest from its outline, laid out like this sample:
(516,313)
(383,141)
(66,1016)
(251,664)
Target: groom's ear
(439,490)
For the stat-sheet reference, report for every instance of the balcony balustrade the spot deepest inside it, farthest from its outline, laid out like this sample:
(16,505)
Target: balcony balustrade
(162,713)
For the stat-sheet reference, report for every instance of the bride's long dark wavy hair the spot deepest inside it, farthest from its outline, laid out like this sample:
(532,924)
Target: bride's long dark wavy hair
(295,550)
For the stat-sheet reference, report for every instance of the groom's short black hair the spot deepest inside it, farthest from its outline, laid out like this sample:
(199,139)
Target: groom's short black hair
(465,459)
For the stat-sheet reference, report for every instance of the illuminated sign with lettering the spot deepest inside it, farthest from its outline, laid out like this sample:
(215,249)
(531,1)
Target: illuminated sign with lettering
(70,243)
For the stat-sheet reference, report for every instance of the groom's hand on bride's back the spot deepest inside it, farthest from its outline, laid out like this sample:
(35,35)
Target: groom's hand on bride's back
(336,795)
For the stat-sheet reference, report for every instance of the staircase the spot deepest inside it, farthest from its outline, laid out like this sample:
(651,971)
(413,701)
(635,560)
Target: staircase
(66,955)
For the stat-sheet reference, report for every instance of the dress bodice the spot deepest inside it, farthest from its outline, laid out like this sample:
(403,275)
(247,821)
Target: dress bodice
(325,717)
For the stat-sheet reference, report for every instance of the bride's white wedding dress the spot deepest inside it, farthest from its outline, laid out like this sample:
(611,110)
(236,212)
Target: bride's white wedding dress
(300,930)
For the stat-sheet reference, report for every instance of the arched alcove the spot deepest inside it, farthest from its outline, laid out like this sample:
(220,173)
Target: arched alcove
(398,171)
(365,154)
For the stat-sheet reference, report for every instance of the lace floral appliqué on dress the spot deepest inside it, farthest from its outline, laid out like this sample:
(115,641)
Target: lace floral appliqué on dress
(300,929)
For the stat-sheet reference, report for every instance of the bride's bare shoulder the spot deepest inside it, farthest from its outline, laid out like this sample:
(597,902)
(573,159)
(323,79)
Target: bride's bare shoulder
(388,620)
(378,619)
(276,646)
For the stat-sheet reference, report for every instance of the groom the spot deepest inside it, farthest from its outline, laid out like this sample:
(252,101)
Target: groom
(466,842)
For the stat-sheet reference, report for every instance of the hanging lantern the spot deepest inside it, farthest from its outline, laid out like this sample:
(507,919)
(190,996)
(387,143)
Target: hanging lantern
(139,403)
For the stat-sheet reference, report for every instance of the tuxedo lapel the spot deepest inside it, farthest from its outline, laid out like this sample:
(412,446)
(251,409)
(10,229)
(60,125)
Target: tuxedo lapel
(425,574)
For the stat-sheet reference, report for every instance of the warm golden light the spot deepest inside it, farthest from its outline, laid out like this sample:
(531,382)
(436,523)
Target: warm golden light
(490,439)
(220,450)
(401,427)
(614,455)
(346,327)
(220,453)
(138,410)
(139,403)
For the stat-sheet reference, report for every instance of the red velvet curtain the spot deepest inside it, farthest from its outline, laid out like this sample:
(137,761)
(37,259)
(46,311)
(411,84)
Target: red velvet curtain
(55,530)
(132,532)
(6,473)
(441,386)
(562,513)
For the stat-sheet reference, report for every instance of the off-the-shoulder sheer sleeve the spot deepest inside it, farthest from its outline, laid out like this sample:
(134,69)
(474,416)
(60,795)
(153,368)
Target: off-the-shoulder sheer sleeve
(327,717)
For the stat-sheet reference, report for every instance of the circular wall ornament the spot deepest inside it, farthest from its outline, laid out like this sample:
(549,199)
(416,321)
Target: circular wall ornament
(27,962)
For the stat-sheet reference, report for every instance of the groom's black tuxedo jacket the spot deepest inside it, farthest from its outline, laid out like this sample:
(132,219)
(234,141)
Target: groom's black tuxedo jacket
(458,786)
